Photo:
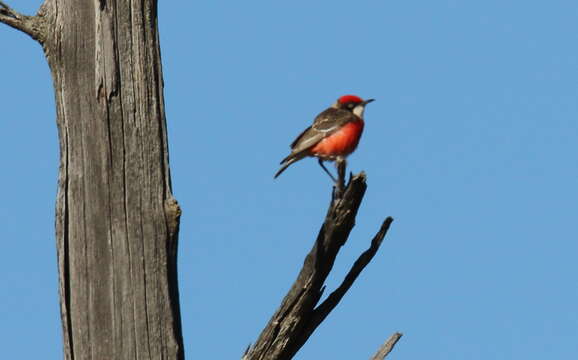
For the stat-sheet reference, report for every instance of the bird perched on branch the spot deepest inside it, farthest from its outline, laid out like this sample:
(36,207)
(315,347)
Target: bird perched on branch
(334,134)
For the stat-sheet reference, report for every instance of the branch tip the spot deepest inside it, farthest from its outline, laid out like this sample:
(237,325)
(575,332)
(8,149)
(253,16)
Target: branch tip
(387,346)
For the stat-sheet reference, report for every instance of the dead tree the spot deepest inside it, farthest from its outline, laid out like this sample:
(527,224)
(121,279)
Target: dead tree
(116,219)
(301,311)
(117,222)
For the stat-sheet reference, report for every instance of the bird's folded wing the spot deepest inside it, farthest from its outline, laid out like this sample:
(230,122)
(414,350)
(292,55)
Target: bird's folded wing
(325,124)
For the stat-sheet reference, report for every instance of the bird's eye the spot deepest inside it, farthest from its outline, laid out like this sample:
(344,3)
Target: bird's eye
(351,105)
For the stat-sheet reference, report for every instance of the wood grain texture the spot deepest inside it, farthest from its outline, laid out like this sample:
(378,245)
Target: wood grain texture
(300,312)
(387,347)
(116,220)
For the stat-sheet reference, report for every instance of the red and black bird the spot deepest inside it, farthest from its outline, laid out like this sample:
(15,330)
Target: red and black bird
(334,134)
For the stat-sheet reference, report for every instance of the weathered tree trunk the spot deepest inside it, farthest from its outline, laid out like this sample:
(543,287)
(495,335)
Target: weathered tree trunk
(116,220)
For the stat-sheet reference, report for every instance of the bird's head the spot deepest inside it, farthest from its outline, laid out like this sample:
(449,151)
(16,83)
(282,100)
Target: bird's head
(352,103)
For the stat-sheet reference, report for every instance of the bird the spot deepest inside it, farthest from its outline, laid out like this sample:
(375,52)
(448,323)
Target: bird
(334,134)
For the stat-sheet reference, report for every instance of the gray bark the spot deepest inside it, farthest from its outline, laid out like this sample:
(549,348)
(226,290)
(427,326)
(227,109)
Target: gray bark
(301,311)
(116,219)
(387,347)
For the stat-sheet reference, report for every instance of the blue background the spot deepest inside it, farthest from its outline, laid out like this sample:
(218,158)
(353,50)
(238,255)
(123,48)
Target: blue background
(471,146)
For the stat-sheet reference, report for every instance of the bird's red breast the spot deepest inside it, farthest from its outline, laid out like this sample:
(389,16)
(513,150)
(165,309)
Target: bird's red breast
(341,143)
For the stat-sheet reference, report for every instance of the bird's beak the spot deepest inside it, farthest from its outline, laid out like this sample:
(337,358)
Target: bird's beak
(368,101)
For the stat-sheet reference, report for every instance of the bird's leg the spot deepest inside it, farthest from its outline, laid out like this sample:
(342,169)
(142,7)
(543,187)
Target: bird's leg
(341,164)
(327,171)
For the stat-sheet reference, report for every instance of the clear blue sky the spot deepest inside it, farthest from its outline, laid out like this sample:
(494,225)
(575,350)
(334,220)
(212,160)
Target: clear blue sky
(471,146)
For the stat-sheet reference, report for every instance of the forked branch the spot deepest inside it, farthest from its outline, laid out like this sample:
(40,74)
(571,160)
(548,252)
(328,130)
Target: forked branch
(31,25)
(299,314)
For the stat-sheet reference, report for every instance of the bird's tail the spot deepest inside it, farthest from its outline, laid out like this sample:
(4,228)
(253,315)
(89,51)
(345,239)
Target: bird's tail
(285,164)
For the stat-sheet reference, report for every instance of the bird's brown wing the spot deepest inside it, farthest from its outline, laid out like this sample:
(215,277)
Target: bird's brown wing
(325,124)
